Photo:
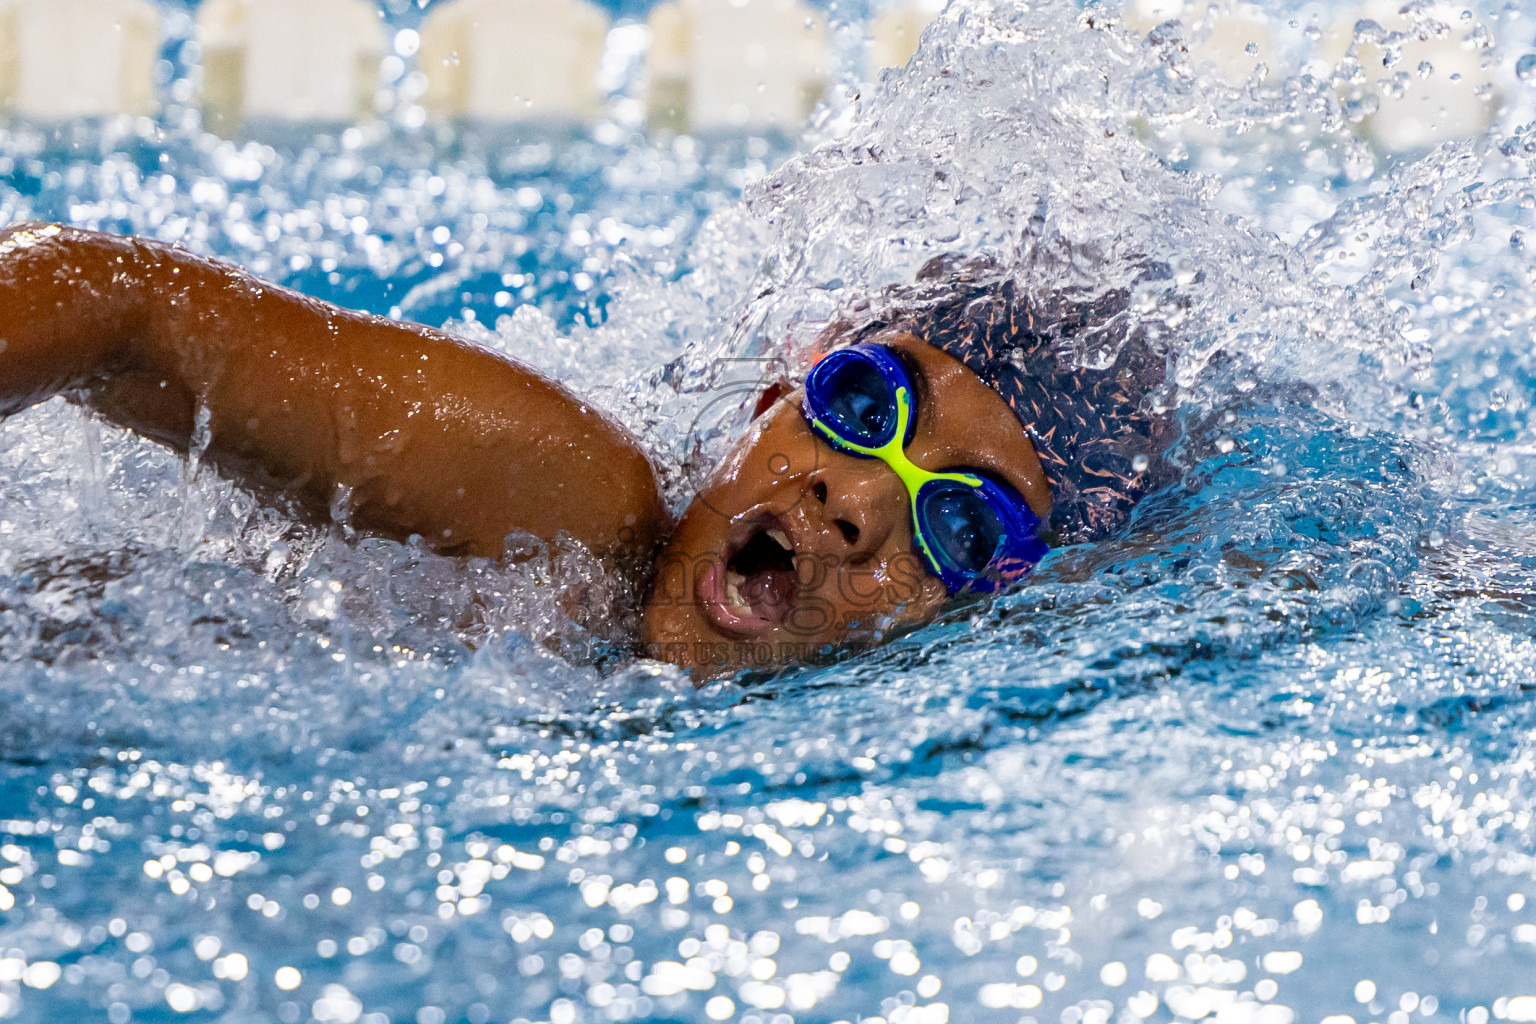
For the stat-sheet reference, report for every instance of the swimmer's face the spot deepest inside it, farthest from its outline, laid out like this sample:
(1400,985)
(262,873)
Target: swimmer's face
(794,549)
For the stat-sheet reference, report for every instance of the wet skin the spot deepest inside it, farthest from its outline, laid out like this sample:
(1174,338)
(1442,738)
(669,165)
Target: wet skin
(794,549)
(404,429)
(408,432)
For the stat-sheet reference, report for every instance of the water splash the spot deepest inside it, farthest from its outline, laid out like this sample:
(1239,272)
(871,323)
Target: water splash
(1266,756)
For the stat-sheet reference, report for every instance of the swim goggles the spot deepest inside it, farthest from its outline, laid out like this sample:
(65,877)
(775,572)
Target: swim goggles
(973,531)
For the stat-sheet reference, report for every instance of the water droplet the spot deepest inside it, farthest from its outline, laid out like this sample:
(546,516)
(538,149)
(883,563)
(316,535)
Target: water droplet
(1517,240)
(1426,69)
(1368,31)
(1252,49)
(1525,67)
(1419,201)
(1359,161)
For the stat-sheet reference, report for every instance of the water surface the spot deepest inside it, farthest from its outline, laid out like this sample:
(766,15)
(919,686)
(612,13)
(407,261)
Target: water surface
(1267,757)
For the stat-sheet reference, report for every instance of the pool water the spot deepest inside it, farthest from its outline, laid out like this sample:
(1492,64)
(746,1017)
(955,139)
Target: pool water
(1266,758)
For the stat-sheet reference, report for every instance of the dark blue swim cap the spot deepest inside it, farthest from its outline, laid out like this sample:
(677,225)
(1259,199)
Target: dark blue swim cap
(1097,435)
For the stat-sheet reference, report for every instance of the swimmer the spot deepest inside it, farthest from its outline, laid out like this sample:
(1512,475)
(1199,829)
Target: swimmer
(928,454)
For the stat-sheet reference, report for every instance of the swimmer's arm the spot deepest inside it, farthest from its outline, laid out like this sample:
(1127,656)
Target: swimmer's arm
(405,428)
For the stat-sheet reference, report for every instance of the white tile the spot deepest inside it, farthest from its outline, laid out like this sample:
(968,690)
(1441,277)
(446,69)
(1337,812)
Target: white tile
(1432,110)
(894,33)
(1429,111)
(289,60)
(1224,45)
(717,64)
(513,60)
(62,59)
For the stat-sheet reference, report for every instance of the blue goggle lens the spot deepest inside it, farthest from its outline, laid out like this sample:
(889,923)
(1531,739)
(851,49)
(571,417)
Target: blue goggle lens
(960,526)
(858,400)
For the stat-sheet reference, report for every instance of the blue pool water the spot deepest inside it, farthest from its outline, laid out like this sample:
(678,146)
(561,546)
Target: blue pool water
(1267,758)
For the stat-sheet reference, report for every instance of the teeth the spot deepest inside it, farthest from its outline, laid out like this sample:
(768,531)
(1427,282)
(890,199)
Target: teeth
(782,538)
(733,582)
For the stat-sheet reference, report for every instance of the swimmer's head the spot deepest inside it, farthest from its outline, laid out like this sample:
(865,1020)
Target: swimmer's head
(794,550)
(1100,431)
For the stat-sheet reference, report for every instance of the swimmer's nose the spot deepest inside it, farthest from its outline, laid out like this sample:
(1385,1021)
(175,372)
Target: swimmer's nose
(850,513)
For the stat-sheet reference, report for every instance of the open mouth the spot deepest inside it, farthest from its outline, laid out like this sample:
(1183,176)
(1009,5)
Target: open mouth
(752,589)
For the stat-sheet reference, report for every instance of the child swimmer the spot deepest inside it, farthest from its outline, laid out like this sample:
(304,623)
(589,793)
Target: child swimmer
(927,455)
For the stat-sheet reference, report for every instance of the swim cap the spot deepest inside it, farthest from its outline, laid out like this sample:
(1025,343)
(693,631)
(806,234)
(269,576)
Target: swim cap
(1098,438)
